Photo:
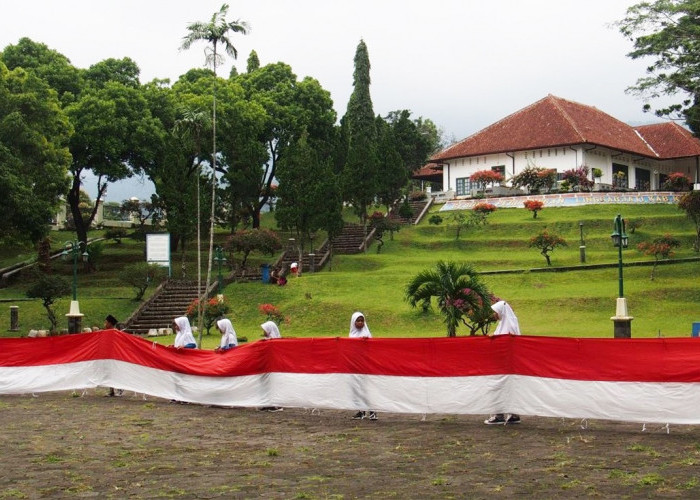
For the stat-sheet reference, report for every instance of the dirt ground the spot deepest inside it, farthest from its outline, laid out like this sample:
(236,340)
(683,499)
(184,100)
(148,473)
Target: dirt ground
(87,445)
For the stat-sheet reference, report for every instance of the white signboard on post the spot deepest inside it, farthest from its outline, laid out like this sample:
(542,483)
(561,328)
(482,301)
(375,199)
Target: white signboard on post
(158,249)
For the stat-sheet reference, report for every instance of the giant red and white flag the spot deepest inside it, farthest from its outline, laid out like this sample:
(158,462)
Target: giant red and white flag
(642,380)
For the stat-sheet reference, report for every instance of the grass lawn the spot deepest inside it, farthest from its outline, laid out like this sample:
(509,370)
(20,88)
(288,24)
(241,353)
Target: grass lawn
(576,303)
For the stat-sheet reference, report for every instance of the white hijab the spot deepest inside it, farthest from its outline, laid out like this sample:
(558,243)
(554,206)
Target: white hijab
(507,320)
(228,334)
(184,334)
(271,330)
(354,332)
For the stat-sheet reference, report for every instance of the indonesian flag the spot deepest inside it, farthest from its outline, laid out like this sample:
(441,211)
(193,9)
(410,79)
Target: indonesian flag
(640,380)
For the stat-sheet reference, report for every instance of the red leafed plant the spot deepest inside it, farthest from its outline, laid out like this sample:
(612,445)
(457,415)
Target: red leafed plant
(272,312)
(484,208)
(213,309)
(533,206)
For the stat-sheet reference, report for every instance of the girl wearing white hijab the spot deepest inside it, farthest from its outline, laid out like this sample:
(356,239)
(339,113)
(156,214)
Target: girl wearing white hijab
(507,321)
(359,329)
(507,324)
(358,326)
(270,330)
(184,337)
(228,335)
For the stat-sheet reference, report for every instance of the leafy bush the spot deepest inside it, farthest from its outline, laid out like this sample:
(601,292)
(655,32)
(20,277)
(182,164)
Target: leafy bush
(49,288)
(483,178)
(435,219)
(248,240)
(535,179)
(690,204)
(95,251)
(533,206)
(405,210)
(417,195)
(546,243)
(659,248)
(677,181)
(213,309)
(116,234)
(272,313)
(141,275)
(579,177)
(484,208)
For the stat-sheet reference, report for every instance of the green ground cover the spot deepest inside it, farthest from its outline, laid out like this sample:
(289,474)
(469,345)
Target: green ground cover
(576,303)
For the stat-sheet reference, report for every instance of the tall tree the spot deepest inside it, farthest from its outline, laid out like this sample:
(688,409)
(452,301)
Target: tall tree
(302,203)
(115,136)
(291,108)
(361,169)
(215,33)
(253,62)
(668,30)
(34,156)
(394,175)
(49,65)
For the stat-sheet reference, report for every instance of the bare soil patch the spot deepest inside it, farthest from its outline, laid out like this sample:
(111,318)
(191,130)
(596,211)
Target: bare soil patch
(65,445)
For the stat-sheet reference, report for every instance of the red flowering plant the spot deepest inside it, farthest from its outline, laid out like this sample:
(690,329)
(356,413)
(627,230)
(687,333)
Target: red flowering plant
(212,310)
(483,178)
(659,248)
(273,313)
(533,206)
(473,309)
(677,181)
(484,208)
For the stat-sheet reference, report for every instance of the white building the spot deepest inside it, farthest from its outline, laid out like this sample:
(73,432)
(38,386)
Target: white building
(558,134)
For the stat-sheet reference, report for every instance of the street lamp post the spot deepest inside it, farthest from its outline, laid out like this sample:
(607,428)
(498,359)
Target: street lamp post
(219,259)
(75,249)
(582,247)
(622,321)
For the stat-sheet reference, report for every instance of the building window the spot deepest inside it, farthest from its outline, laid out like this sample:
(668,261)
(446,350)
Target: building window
(501,169)
(463,186)
(619,176)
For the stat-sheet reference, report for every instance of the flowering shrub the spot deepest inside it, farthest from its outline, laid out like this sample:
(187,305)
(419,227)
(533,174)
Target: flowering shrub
(247,240)
(212,310)
(677,181)
(535,179)
(472,310)
(484,208)
(546,242)
(417,195)
(482,178)
(659,248)
(273,313)
(579,177)
(533,206)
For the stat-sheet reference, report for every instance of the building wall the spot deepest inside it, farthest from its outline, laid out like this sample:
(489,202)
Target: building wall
(456,172)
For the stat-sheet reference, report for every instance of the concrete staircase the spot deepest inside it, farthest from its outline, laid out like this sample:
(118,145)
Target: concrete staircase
(170,300)
(351,240)
(419,208)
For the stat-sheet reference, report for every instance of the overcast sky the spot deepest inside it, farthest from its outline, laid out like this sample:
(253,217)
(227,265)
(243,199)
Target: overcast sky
(464,64)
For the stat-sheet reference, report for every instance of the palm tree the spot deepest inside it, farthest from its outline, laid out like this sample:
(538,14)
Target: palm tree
(190,126)
(215,32)
(460,294)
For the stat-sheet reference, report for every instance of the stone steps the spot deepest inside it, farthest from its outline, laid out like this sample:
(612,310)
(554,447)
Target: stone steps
(170,301)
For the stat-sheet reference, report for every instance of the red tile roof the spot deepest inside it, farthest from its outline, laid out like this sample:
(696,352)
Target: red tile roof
(670,140)
(427,171)
(556,122)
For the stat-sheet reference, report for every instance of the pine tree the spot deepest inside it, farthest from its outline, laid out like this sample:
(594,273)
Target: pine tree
(361,169)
